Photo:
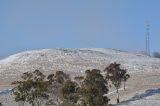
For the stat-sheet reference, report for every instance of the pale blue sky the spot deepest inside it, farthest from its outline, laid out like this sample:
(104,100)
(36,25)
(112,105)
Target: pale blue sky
(118,24)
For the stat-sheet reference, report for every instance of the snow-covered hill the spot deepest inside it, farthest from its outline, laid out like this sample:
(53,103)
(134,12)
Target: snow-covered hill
(144,70)
(75,61)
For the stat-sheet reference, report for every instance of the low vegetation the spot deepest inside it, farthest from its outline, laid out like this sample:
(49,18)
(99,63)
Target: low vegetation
(156,54)
(58,89)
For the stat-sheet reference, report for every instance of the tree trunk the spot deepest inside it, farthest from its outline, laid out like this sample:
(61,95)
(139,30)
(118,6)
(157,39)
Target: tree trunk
(38,102)
(117,96)
(124,85)
(32,104)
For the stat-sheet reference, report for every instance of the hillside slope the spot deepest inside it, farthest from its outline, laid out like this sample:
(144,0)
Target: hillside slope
(75,60)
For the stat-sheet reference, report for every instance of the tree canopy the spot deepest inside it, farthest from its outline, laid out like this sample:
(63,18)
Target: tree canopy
(31,89)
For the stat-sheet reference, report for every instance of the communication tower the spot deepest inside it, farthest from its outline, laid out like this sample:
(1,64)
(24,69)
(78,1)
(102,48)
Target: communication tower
(147,39)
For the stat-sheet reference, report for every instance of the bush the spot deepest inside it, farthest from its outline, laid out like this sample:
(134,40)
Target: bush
(156,54)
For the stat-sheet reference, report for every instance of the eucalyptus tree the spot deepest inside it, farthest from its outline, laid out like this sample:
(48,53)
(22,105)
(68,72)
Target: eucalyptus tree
(32,88)
(70,93)
(116,75)
(56,84)
(93,89)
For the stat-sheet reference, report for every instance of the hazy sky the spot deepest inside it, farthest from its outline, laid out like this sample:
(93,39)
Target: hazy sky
(118,24)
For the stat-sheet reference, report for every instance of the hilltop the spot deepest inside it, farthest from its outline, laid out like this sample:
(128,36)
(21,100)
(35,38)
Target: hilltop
(75,61)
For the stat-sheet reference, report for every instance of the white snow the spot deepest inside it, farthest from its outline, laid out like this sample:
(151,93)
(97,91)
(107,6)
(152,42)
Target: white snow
(76,60)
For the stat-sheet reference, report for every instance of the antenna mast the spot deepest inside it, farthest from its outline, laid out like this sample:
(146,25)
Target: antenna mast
(147,39)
